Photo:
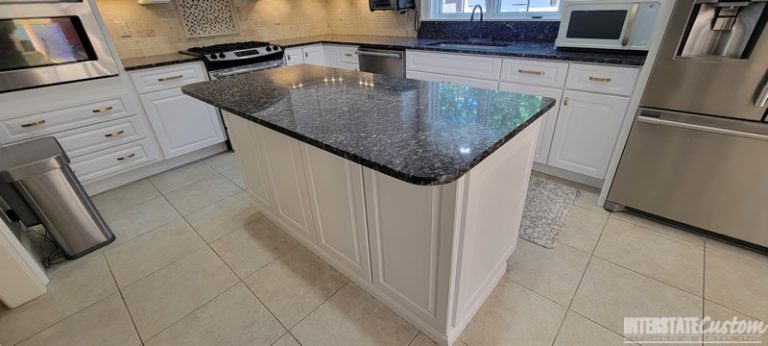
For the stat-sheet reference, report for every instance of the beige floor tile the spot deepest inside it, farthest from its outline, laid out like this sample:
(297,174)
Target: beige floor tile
(201,194)
(295,284)
(582,229)
(660,227)
(608,293)
(240,183)
(167,295)
(579,331)
(234,318)
(224,217)
(124,197)
(286,340)
(253,246)
(140,219)
(234,176)
(737,283)
(223,162)
(422,340)
(514,315)
(720,313)
(104,323)
(72,288)
(670,260)
(589,196)
(182,176)
(151,251)
(737,251)
(353,317)
(553,273)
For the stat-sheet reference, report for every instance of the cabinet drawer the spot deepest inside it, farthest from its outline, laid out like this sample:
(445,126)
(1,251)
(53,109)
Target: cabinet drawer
(348,66)
(434,77)
(602,79)
(102,136)
(551,74)
(348,55)
(112,161)
(455,65)
(49,122)
(167,77)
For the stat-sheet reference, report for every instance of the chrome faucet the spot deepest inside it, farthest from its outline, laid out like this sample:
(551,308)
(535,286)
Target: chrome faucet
(472,19)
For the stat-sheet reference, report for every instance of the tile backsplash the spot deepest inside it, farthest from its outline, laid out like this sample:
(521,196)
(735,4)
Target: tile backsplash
(157,29)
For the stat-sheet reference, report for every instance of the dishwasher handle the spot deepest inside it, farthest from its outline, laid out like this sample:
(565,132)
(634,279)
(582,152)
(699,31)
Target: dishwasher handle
(383,55)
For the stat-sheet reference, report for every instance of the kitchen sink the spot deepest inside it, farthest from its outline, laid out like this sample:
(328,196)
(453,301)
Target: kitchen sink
(468,45)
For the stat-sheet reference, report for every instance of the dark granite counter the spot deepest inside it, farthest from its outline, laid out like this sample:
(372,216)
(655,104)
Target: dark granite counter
(420,132)
(532,50)
(131,64)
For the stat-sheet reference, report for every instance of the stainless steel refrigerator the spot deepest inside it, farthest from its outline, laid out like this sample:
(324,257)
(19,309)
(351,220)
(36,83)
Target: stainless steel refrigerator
(697,153)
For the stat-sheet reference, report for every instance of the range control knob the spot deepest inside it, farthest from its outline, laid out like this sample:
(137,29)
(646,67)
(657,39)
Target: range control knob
(222,55)
(269,49)
(213,56)
(276,47)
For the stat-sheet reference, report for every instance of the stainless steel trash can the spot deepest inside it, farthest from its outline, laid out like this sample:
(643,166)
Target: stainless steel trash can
(39,170)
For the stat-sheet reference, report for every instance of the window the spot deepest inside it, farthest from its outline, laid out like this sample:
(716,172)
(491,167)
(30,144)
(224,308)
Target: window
(494,9)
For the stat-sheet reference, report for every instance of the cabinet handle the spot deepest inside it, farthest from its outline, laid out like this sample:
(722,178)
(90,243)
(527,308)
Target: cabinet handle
(347,54)
(165,79)
(126,157)
(102,110)
(600,79)
(538,73)
(566,100)
(288,56)
(34,123)
(114,134)
(306,55)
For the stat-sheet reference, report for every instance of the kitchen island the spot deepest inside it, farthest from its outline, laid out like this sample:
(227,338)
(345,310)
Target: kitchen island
(414,190)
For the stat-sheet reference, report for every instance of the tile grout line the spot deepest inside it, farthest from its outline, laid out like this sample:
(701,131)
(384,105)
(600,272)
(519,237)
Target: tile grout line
(125,304)
(319,305)
(414,337)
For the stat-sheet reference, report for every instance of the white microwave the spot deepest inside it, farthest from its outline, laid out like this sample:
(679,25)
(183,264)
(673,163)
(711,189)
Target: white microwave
(607,24)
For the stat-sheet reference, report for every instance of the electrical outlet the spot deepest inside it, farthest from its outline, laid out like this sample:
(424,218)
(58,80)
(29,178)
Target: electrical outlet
(276,18)
(123,29)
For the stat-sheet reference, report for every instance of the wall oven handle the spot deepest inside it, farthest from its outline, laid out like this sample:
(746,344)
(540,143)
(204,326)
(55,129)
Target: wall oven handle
(762,97)
(704,128)
(630,23)
(383,55)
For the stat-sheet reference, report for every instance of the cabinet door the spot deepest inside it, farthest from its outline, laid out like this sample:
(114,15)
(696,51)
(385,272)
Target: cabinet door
(289,186)
(586,132)
(435,77)
(549,121)
(249,152)
(294,56)
(314,55)
(338,205)
(182,124)
(332,55)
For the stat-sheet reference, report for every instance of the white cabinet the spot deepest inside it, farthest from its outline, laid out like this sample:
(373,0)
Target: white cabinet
(324,55)
(332,55)
(338,206)
(549,120)
(314,55)
(602,79)
(586,132)
(435,77)
(544,73)
(460,65)
(250,153)
(293,56)
(182,124)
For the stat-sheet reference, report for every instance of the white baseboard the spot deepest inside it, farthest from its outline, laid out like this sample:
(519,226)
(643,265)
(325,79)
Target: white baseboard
(112,182)
(568,175)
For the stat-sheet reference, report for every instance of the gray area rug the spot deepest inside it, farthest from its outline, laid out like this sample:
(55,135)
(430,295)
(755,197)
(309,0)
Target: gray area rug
(546,209)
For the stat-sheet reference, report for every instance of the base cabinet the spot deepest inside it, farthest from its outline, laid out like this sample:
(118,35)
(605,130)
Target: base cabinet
(549,119)
(586,133)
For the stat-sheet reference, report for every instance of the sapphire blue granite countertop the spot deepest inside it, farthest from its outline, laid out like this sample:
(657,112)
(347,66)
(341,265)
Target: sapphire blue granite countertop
(423,133)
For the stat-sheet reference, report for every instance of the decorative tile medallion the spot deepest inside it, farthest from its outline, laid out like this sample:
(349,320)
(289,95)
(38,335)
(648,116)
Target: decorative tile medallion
(205,18)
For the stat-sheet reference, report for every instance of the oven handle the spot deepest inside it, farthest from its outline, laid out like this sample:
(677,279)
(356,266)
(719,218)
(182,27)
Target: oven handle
(762,98)
(383,55)
(703,128)
(630,23)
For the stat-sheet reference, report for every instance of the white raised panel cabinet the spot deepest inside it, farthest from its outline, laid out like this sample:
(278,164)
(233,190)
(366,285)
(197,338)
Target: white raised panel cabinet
(338,205)
(245,142)
(182,123)
(549,120)
(314,55)
(293,56)
(435,77)
(586,132)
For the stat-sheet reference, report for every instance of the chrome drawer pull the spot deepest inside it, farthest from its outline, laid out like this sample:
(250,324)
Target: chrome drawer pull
(165,79)
(34,123)
(538,73)
(600,79)
(126,157)
(114,134)
(103,110)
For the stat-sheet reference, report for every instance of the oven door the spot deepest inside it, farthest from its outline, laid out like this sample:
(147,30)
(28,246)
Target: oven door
(607,25)
(50,43)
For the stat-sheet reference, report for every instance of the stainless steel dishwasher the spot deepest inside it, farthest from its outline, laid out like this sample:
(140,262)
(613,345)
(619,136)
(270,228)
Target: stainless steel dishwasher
(388,62)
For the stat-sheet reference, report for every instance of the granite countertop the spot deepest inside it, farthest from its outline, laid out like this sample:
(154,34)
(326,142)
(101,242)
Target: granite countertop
(131,64)
(532,50)
(423,133)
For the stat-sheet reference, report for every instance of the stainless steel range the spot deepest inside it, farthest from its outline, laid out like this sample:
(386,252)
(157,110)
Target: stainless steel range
(231,59)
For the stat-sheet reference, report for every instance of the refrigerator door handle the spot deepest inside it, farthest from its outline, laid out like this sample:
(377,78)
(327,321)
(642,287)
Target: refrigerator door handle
(762,97)
(704,128)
